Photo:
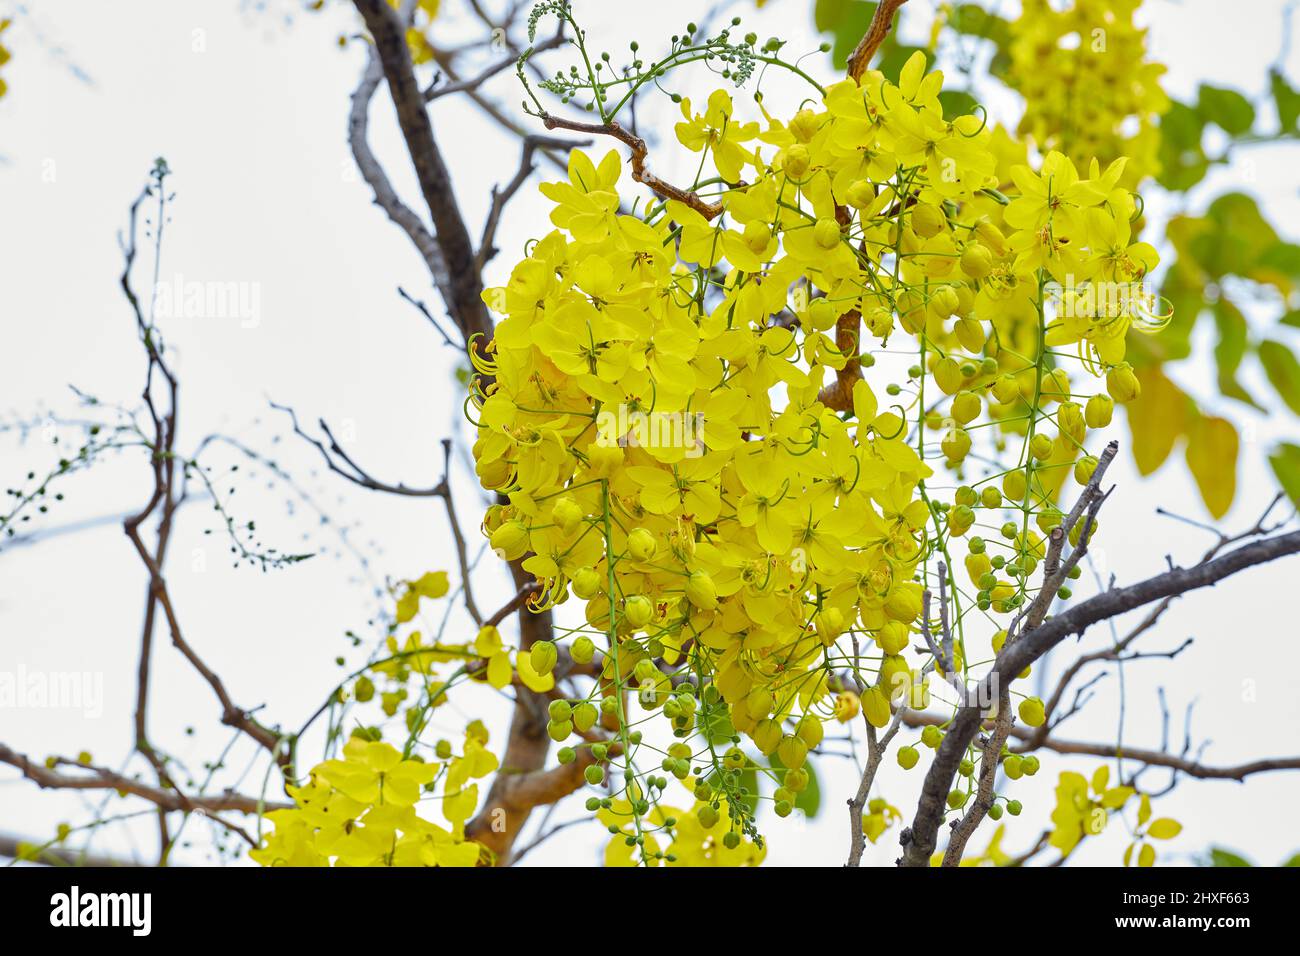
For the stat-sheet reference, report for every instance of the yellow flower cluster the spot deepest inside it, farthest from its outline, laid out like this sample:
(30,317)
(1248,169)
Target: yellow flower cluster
(671,407)
(698,838)
(360,810)
(1089,89)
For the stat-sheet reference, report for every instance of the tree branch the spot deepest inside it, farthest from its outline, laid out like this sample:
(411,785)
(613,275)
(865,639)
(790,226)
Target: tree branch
(879,28)
(639,171)
(464,284)
(1032,644)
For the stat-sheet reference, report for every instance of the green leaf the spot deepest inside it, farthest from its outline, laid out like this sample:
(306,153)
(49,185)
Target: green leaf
(1294,861)
(957,103)
(1222,857)
(1231,349)
(1287,100)
(1226,109)
(1284,258)
(846,21)
(1237,237)
(1283,371)
(716,726)
(1183,162)
(1286,465)
(1292,319)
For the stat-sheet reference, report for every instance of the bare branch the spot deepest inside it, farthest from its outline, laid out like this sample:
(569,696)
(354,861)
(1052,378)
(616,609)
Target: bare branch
(1032,644)
(386,197)
(879,28)
(500,197)
(639,171)
(464,284)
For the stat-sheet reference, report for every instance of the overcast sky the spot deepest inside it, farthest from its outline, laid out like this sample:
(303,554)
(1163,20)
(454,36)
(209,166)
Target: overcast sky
(250,112)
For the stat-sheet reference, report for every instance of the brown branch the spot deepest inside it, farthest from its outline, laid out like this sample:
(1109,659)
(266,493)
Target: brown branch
(424,310)
(875,754)
(474,82)
(464,283)
(984,794)
(1115,652)
(386,197)
(1032,644)
(1152,758)
(500,197)
(1159,758)
(32,851)
(879,28)
(639,171)
(163,463)
(838,395)
(101,778)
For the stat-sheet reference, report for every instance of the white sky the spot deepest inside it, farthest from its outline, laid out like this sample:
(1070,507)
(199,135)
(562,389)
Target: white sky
(253,125)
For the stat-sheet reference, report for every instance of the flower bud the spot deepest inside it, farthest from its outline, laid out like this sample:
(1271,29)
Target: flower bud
(976,260)
(955,444)
(701,591)
(543,656)
(583,650)
(794,162)
(638,611)
(826,233)
(847,706)
(567,514)
(1031,711)
(586,583)
(641,545)
(1097,413)
(766,735)
(510,540)
(860,194)
(1006,388)
(965,407)
(1122,384)
(927,220)
(1084,468)
(792,751)
(584,716)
